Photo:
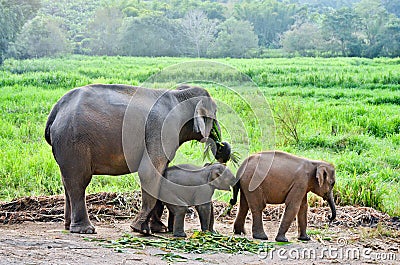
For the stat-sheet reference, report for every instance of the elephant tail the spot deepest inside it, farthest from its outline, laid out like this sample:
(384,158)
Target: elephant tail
(50,120)
(235,189)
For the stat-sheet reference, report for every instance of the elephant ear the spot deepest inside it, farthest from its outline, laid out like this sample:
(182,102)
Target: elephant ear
(199,113)
(214,172)
(215,180)
(321,175)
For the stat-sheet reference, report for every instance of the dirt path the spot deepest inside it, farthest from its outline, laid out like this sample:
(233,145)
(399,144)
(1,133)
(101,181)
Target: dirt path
(347,241)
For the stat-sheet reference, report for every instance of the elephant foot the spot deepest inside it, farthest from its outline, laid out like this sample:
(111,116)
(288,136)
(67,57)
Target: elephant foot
(82,229)
(261,236)
(239,231)
(158,227)
(67,225)
(304,238)
(179,234)
(281,238)
(141,227)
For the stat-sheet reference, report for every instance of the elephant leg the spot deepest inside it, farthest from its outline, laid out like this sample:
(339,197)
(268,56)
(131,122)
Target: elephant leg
(204,212)
(258,228)
(75,190)
(171,218)
(292,208)
(302,220)
(238,227)
(179,221)
(150,174)
(141,223)
(67,210)
(156,225)
(211,226)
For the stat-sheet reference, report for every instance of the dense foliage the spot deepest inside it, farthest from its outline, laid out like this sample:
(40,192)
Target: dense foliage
(13,15)
(199,28)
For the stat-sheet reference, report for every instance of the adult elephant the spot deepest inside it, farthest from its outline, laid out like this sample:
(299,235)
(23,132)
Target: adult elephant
(120,129)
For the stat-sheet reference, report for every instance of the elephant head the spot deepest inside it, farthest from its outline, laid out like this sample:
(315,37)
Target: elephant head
(325,178)
(204,124)
(205,117)
(221,177)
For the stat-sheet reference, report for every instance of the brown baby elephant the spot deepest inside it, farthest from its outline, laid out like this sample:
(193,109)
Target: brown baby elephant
(277,177)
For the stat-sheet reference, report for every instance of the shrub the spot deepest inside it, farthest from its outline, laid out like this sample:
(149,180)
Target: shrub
(381,128)
(289,117)
(337,144)
(363,190)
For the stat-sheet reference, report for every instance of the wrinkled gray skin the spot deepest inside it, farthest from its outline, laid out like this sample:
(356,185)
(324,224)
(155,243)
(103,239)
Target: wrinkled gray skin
(284,178)
(221,152)
(85,130)
(194,186)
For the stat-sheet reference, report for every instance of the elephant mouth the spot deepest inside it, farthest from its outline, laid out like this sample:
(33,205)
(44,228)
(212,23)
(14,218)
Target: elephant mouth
(215,132)
(221,150)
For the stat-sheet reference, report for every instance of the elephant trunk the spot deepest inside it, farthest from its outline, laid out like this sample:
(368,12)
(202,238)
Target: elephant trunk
(331,203)
(215,132)
(235,192)
(221,150)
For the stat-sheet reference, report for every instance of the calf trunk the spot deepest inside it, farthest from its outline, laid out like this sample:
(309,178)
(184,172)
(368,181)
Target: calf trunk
(331,203)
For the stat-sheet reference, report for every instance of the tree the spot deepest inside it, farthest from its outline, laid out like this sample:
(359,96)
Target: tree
(175,9)
(392,7)
(340,28)
(73,16)
(373,19)
(198,32)
(39,37)
(149,35)
(235,39)
(270,18)
(321,5)
(305,39)
(13,15)
(103,31)
(390,38)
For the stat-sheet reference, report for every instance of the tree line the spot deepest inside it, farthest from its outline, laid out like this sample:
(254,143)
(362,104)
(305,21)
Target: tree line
(198,28)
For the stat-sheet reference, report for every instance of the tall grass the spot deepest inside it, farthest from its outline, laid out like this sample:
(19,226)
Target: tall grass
(350,116)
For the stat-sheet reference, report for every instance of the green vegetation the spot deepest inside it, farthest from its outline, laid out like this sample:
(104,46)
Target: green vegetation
(198,243)
(350,116)
(200,28)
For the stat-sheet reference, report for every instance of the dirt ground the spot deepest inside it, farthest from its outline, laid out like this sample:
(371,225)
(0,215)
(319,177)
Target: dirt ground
(31,232)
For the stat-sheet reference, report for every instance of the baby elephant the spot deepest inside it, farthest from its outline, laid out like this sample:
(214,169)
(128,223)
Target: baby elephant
(277,177)
(189,185)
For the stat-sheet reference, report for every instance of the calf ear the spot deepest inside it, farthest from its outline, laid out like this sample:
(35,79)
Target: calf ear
(321,175)
(217,181)
(214,174)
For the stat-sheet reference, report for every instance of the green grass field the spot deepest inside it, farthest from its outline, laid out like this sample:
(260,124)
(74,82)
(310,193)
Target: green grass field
(344,110)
